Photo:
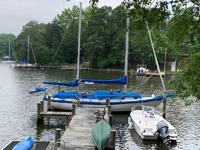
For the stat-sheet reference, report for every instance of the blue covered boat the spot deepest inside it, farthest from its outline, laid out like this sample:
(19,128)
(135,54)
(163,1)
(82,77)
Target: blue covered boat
(120,101)
(38,89)
(25,144)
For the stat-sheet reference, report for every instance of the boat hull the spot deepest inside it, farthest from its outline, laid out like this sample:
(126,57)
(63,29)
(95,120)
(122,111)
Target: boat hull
(117,105)
(145,125)
(101,133)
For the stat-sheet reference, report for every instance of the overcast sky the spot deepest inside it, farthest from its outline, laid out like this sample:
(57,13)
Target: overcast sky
(16,13)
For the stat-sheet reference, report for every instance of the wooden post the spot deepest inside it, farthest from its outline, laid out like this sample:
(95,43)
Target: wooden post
(42,106)
(110,120)
(107,102)
(57,136)
(113,133)
(49,102)
(73,109)
(39,110)
(67,121)
(164,107)
(111,142)
(109,110)
(59,88)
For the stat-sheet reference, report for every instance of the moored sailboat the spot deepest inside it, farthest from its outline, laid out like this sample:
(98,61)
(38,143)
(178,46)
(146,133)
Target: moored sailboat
(119,100)
(26,63)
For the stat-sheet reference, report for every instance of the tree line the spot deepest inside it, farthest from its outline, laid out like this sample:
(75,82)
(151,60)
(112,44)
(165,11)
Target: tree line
(103,38)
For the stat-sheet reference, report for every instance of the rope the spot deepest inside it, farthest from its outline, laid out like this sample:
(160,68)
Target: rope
(145,81)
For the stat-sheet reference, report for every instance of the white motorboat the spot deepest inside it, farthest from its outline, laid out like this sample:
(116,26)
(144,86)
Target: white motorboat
(151,126)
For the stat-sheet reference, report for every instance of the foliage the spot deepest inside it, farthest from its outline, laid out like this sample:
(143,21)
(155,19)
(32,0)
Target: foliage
(36,33)
(187,80)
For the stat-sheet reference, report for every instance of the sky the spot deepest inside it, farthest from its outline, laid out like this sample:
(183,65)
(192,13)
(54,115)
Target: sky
(14,14)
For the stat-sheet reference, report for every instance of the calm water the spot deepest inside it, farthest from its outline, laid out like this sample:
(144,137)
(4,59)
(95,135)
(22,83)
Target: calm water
(18,109)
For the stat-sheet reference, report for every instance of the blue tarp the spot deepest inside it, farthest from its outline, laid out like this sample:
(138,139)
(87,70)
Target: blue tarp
(73,83)
(121,80)
(68,94)
(110,95)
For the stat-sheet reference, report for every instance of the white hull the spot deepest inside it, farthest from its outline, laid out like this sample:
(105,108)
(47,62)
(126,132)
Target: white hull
(117,105)
(25,65)
(145,124)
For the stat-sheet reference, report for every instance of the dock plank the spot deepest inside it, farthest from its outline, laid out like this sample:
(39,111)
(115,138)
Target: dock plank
(79,133)
(54,113)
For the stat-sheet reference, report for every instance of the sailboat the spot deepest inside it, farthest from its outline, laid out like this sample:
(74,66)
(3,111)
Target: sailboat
(120,101)
(27,64)
(8,59)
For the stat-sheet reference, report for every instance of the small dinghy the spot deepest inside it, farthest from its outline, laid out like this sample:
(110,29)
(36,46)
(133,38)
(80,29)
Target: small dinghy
(38,89)
(25,144)
(151,126)
(101,133)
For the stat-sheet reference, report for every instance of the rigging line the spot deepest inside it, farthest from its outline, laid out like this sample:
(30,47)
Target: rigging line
(33,53)
(158,67)
(12,49)
(145,81)
(58,48)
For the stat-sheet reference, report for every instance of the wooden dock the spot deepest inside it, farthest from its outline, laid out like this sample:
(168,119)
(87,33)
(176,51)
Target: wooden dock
(78,135)
(41,113)
(154,74)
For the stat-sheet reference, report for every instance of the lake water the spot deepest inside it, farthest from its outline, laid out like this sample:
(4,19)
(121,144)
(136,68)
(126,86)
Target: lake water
(18,109)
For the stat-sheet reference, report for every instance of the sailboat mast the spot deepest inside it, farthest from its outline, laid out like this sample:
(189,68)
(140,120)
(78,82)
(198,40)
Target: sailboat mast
(28,49)
(9,49)
(126,51)
(79,42)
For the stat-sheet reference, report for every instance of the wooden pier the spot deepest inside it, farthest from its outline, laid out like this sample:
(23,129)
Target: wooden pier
(154,74)
(78,135)
(41,113)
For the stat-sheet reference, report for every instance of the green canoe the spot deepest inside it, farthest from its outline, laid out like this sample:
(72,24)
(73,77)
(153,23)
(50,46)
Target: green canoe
(101,133)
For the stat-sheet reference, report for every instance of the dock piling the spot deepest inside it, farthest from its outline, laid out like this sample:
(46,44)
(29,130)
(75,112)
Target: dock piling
(113,133)
(73,109)
(110,119)
(49,102)
(39,110)
(57,137)
(107,102)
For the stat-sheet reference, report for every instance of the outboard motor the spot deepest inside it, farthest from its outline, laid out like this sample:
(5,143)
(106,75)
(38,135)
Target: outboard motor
(162,130)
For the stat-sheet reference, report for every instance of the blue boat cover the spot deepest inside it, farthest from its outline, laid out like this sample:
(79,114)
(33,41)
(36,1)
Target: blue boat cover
(38,89)
(25,144)
(170,94)
(68,94)
(100,94)
(73,83)
(121,80)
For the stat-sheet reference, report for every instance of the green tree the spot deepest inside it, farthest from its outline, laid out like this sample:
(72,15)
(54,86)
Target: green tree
(4,45)
(36,33)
